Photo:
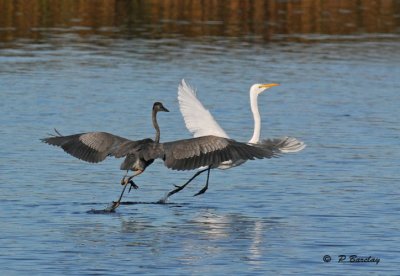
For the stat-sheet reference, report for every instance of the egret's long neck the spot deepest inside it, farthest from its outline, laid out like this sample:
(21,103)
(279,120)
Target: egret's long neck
(257,119)
(156,127)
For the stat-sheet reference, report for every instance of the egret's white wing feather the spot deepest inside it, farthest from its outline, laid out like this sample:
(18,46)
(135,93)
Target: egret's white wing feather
(198,119)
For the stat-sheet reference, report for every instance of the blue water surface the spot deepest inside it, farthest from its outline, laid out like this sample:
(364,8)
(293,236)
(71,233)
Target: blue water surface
(339,196)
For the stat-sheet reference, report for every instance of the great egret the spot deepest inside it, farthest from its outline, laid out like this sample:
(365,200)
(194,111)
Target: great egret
(200,122)
(187,154)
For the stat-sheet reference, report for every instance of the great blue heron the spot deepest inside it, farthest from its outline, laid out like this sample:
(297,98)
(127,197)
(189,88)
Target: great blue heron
(187,154)
(200,122)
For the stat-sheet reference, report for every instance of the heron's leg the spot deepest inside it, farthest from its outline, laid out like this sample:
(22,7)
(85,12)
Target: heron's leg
(202,191)
(115,204)
(123,178)
(125,181)
(179,188)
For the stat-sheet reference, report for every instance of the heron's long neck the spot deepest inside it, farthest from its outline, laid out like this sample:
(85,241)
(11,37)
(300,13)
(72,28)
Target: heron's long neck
(155,124)
(257,119)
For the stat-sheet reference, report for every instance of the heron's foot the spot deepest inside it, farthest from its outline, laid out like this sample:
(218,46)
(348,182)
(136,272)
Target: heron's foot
(202,191)
(133,185)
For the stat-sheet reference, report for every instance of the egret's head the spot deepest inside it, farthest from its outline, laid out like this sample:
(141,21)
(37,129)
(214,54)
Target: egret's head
(259,88)
(159,107)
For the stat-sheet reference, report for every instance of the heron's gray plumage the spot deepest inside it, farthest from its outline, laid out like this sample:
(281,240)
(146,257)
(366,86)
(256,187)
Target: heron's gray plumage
(187,154)
(94,147)
(209,150)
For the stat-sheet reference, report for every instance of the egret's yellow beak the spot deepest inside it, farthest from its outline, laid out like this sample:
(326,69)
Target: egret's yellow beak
(269,85)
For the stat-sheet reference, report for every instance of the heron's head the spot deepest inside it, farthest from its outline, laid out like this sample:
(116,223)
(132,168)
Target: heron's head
(159,107)
(259,88)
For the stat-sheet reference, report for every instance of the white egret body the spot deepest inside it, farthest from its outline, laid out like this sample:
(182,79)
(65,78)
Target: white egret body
(200,122)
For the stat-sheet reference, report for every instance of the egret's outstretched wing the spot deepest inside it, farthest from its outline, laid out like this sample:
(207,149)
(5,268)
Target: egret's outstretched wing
(198,119)
(211,151)
(93,147)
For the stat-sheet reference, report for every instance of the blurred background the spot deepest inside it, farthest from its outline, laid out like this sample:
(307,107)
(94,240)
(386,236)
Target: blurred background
(258,20)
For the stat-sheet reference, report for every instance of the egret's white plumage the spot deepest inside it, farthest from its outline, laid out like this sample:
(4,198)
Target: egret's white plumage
(198,119)
(200,122)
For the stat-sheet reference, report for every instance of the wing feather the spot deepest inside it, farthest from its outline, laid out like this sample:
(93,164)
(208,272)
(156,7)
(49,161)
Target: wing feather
(93,147)
(198,119)
(210,150)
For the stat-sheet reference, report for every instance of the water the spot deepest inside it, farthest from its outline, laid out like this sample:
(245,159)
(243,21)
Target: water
(338,93)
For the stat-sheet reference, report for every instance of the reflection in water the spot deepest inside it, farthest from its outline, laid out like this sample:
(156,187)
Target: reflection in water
(261,19)
(234,228)
(255,250)
(206,234)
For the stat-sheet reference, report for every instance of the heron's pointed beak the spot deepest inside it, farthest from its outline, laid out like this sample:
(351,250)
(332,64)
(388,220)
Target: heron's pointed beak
(164,109)
(269,85)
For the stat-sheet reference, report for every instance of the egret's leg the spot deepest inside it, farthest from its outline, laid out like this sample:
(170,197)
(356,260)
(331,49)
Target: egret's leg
(179,188)
(202,191)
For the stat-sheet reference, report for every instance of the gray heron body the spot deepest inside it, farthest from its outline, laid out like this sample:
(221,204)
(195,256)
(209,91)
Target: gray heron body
(188,154)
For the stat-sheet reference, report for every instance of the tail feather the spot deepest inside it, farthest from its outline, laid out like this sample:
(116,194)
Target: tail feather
(283,145)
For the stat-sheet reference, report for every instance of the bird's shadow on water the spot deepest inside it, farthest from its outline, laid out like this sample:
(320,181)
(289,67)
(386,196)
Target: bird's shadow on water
(107,211)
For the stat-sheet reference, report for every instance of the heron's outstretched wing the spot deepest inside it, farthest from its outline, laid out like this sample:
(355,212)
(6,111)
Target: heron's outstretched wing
(94,147)
(282,145)
(198,119)
(194,153)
